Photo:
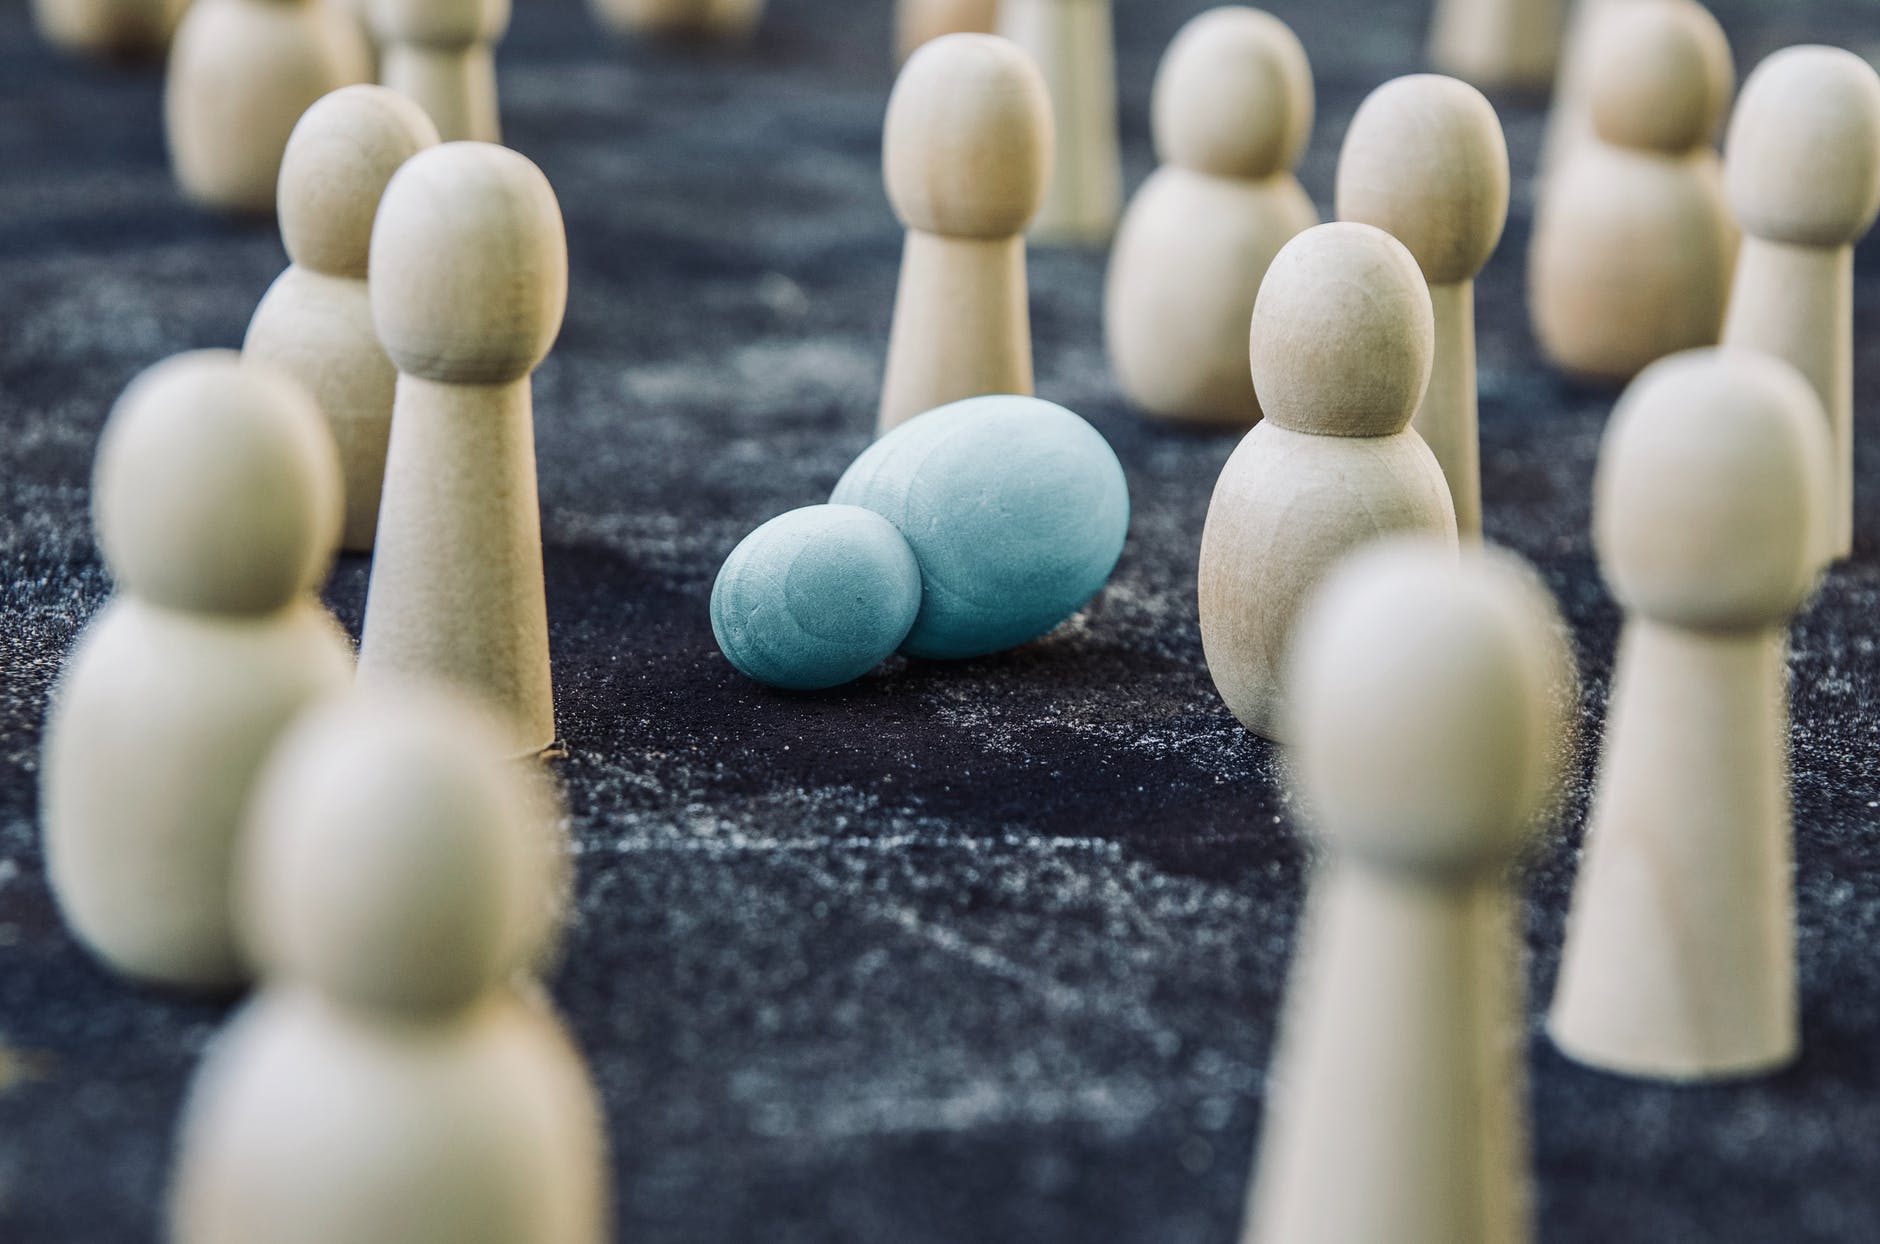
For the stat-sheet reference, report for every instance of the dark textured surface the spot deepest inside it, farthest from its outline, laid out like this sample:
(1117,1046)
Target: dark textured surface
(978,952)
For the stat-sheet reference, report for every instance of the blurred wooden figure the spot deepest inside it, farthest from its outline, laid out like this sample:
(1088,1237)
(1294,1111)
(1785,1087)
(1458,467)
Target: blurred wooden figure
(682,19)
(315,322)
(1074,46)
(1429,710)
(398,1077)
(1633,246)
(917,22)
(966,149)
(241,73)
(1802,171)
(469,280)
(1231,112)
(1709,513)
(1425,160)
(1497,44)
(442,53)
(129,30)
(217,505)
(1341,343)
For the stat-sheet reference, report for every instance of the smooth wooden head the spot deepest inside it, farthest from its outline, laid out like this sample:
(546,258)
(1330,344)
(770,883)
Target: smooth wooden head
(1425,161)
(469,267)
(217,487)
(1233,96)
(1430,701)
(1802,158)
(438,23)
(1342,335)
(395,859)
(967,147)
(340,157)
(1710,498)
(1661,75)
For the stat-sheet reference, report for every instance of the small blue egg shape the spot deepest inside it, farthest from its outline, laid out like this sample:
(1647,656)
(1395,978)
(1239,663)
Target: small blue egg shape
(816,597)
(1015,508)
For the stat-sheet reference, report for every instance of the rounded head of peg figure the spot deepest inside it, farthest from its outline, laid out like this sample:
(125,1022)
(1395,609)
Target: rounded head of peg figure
(1662,75)
(1801,161)
(217,487)
(395,860)
(1425,161)
(342,153)
(1233,96)
(1709,500)
(469,265)
(1343,335)
(438,23)
(1430,701)
(967,147)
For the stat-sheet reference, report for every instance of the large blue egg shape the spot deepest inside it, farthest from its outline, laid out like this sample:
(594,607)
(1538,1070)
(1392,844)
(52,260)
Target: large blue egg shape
(1015,508)
(816,597)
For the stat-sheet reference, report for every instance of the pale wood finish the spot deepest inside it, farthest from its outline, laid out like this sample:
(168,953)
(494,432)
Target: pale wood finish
(1425,160)
(917,22)
(442,54)
(1075,47)
(965,153)
(1497,43)
(111,29)
(701,19)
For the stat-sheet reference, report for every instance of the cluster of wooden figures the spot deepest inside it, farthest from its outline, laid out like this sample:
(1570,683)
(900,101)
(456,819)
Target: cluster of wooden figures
(219,805)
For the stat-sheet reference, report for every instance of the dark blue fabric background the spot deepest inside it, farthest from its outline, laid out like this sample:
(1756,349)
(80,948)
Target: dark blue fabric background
(988,951)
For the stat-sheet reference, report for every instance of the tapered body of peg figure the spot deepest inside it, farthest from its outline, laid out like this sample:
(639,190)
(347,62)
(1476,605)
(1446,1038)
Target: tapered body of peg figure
(1429,719)
(1231,112)
(1802,171)
(315,322)
(241,73)
(1504,44)
(1425,161)
(917,22)
(966,151)
(1340,348)
(1709,512)
(1633,246)
(469,279)
(442,54)
(1075,47)
(217,503)
(400,1075)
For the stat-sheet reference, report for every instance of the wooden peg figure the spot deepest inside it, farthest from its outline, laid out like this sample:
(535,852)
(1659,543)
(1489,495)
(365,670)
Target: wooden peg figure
(1075,47)
(1497,44)
(1429,715)
(1802,172)
(315,322)
(1709,513)
(469,279)
(918,22)
(966,151)
(241,73)
(1340,349)
(127,30)
(397,1077)
(1231,113)
(217,505)
(682,19)
(1425,161)
(1632,247)
(442,54)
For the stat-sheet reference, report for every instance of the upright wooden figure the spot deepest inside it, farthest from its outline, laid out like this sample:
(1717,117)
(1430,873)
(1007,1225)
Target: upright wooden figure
(397,1078)
(1497,43)
(1632,246)
(1341,344)
(966,151)
(217,505)
(442,54)
(1429,715)
(917,22)
(469,280)
(111,29)
(1425,160)
(1803,174)
(1709,512)
(241,73)
(315,322)
(1074,45)
(1231,112)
